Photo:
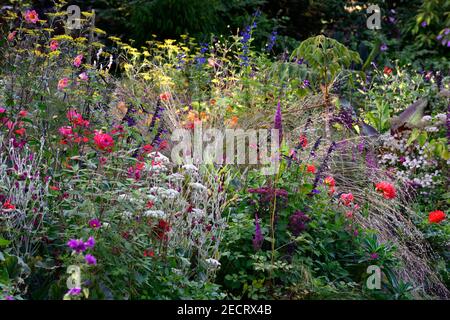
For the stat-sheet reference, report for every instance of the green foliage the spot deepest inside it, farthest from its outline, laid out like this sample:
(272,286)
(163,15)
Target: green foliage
(326,57)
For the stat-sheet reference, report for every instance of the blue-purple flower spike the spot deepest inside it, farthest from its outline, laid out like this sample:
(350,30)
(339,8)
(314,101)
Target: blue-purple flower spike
(278,122)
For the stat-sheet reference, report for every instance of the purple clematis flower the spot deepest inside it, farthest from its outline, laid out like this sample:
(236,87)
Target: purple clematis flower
(90,243)
(90,259)
(77,245)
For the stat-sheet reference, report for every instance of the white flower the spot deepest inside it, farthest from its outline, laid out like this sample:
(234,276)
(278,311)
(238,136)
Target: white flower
(122,197)
(157,167)
(158,157)
(198,212)
(157,190)
(127,214)
(190,168)
(158,214)
(441,117)
(176,176)
(198,186)
(213,262)
(170,193)
(431,129)
(152,197)
(426,118)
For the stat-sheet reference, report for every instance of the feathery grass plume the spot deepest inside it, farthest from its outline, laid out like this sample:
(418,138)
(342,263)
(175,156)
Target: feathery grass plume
(391,220)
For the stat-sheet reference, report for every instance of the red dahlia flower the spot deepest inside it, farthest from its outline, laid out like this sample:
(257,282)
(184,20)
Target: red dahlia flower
(311,168)
(104,141)
(387,189)
(329,181)
(436,216)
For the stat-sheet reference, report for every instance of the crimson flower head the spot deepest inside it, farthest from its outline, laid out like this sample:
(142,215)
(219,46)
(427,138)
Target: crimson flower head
(387,189)
(103,141)
(387,70)
(20,131)
(311,168)
(23,113)
(7,205)
(436,216)
(147,148)
(303,141)
(347,198)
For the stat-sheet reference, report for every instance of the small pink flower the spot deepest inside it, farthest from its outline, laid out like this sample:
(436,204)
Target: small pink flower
(31,16)
(78,60)
(63,83)
(66,131)
(2,110)
(102,161)
(11,36)
(83,76)
(54,45)
(10,124)
(347,198)
(23,113)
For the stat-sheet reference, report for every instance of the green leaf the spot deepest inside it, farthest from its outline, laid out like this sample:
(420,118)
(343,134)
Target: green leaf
(4,242)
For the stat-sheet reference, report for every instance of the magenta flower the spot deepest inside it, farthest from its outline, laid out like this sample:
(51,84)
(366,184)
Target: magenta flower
(278,122)
(90,259)
(90,243)
(9,298)
(74,292)
(65,131)
(95,224)
(78,245)
(54,45)
(374,256)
